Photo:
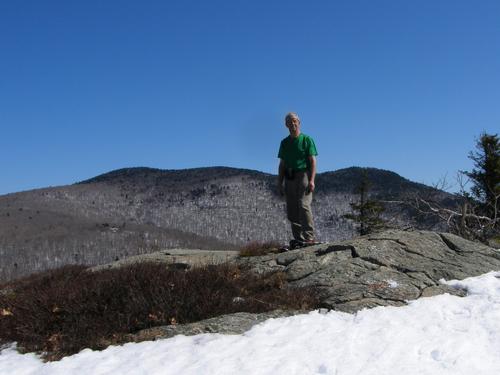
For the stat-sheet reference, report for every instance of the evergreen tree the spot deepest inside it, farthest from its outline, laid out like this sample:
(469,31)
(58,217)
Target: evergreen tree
(367,211)
(485,176)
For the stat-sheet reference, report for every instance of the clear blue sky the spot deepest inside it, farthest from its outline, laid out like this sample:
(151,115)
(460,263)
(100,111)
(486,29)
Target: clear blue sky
(91,86)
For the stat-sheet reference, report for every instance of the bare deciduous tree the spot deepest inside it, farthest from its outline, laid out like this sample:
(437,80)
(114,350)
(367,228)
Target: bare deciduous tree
(474,211)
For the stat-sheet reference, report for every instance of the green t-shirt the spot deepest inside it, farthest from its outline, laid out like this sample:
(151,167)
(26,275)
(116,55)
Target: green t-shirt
(296,151)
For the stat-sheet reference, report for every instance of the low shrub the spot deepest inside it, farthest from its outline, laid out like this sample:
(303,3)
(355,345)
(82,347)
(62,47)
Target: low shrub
(254,249)
(63,311)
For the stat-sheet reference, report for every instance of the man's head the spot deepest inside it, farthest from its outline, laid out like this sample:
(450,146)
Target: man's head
(292,122)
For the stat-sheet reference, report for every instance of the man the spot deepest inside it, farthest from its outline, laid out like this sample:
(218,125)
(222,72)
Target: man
(297,170)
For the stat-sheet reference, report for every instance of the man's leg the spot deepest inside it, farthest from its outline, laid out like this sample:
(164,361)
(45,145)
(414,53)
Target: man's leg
(293,207)
(305,212)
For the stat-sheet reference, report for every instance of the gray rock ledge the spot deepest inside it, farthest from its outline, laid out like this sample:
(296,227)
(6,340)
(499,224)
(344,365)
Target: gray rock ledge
(388,268)
(231,324)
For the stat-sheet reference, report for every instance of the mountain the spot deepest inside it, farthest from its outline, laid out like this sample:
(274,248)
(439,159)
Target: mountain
(139,210)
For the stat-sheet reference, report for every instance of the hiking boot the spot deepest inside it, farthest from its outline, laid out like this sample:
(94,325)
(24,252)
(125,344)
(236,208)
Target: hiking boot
(310,242)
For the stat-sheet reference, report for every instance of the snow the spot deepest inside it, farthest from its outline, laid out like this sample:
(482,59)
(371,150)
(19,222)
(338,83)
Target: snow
(437,335)
(392,283)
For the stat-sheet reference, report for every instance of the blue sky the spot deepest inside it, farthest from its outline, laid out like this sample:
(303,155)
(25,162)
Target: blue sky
(91,86)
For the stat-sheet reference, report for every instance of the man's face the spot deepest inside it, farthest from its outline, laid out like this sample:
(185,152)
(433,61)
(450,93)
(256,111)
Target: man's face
(293,125)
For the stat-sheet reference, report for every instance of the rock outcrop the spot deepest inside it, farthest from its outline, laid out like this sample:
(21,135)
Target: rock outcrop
(385,269)
(176,258)
(226,324)
(382,269)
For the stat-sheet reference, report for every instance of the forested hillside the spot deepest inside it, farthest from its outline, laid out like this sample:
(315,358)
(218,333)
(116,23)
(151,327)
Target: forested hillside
(140,210)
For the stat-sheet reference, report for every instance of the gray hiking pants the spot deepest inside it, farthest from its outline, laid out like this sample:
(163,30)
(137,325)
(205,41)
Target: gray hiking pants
(298,207)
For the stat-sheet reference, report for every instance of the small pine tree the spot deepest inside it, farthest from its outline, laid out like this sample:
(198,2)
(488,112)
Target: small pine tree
(485,176)
(367,211)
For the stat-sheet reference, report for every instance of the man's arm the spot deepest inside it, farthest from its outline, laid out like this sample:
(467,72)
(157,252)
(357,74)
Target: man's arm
(281,176)
(312,173)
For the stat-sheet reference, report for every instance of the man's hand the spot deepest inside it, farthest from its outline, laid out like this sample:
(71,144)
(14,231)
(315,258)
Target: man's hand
(312,174)
(281,177)
(281,191)
(310,187)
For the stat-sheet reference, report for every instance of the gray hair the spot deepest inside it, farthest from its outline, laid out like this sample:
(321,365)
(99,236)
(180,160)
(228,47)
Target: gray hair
(291,115)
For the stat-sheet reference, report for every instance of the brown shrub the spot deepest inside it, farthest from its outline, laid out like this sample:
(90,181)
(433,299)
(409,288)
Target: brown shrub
(63,311)
(253,249)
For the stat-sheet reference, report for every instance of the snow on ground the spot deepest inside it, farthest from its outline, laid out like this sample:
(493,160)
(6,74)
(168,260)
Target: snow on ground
(437,335)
